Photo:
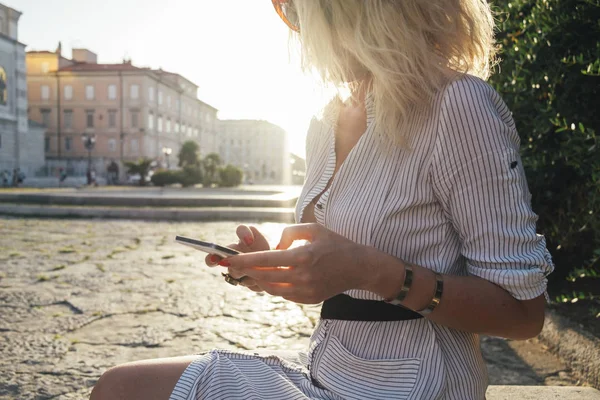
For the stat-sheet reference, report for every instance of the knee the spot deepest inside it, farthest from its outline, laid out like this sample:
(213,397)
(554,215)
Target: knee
(112,384)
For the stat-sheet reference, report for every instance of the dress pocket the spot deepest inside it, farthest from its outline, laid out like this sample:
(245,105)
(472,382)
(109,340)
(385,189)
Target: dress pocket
(353,377)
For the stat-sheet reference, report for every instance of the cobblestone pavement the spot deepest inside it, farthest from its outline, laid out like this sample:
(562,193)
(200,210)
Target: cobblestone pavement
(79,296)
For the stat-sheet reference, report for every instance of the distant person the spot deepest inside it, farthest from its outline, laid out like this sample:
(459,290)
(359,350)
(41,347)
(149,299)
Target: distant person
(62,176)
(419,229)
(113,173)
(5,175)
(93,177)
(20,176)
(15,177)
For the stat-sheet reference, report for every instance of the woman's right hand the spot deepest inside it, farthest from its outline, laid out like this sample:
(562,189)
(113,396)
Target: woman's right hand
(250,240)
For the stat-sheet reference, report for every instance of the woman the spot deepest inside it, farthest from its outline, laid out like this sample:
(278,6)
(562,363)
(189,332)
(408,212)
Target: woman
(416,211)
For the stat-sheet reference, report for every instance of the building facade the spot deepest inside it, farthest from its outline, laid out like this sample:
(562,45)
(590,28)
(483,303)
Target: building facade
(259,148)
(21,145)
(131,112)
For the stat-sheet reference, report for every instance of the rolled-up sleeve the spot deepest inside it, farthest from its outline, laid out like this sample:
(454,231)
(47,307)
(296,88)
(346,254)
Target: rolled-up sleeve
(478,177)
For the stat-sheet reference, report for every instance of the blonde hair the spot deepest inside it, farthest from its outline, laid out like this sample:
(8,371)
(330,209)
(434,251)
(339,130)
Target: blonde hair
(410,49)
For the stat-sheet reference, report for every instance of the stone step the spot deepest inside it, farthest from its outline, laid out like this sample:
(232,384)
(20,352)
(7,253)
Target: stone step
(542,393)
(270,214)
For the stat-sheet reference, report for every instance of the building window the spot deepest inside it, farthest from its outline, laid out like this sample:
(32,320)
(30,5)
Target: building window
(159,98)
(159,127)
(112,92)
(134,91)
(3,87)
(168,127)
(134,146)
(68,142)
(150,121)
(89,117)
(150,94)
(45,92)
(176,127)
(68,92)
(112,145)
(89,92)
(45,117)
(112,118)
(134,119)
(177,104)
(45,67)
(168,101)
(47,144)
(68,119)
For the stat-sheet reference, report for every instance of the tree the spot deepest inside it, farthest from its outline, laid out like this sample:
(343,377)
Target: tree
(141,167)
(189,154)
(230,176)
(550,79)
(211,165)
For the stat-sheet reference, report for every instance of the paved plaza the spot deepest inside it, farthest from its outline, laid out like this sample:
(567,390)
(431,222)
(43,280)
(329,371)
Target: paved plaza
(79,296)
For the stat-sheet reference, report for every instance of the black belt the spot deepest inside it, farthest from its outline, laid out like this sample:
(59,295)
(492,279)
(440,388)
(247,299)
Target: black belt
(350,309)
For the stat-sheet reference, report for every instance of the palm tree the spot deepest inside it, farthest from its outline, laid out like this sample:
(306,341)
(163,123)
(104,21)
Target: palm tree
(142,166)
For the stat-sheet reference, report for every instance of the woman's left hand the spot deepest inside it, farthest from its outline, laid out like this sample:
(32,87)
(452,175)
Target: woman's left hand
(326,266)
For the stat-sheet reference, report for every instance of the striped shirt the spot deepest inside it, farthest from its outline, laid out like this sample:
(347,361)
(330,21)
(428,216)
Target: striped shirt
(456,202)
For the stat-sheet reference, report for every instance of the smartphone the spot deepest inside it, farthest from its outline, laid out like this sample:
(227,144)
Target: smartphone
(207,247)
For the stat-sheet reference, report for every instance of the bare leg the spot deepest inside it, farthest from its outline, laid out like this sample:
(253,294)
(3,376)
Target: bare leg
(144,380)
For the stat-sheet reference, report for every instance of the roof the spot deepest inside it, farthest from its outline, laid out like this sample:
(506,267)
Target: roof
(101,67)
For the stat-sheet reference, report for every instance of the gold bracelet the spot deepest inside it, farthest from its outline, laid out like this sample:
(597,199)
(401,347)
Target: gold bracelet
(437,297)
(408,278)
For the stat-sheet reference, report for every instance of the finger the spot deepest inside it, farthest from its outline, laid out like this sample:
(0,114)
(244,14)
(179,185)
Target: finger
(268,274)
(260,242)
(298,232)
(245,235)
(256,289)
(269,258)
(236,273)
(248,282)
(212,260)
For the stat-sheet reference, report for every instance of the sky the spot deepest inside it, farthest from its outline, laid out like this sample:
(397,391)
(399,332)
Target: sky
(236,51)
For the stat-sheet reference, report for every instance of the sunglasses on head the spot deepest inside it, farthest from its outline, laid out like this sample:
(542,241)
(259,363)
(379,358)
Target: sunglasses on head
(287,12)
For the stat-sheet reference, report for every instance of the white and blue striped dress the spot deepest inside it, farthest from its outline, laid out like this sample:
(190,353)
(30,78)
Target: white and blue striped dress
(457,202)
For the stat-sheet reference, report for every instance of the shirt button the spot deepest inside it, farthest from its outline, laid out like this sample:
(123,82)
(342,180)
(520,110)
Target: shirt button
(320,206)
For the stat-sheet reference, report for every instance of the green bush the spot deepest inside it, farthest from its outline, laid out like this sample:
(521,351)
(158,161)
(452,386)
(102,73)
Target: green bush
(190,176)
(165,177)
(230,176)
(550,78)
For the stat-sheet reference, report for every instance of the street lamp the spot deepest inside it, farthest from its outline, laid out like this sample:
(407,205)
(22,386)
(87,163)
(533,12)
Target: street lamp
(89,141)
(167,152)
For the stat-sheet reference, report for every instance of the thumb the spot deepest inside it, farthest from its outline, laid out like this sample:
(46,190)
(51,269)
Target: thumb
(298,232)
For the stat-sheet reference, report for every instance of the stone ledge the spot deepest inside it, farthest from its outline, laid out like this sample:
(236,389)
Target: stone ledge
(542,393)
(270,214)
(578,348)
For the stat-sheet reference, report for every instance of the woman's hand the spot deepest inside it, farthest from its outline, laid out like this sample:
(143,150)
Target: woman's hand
(330,264)
(251,240)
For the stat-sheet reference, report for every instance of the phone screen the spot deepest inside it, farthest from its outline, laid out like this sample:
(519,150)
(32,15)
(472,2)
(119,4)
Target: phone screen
(211,248)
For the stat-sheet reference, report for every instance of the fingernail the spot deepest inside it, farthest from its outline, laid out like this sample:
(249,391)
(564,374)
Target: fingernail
(224,263)
(248,240)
